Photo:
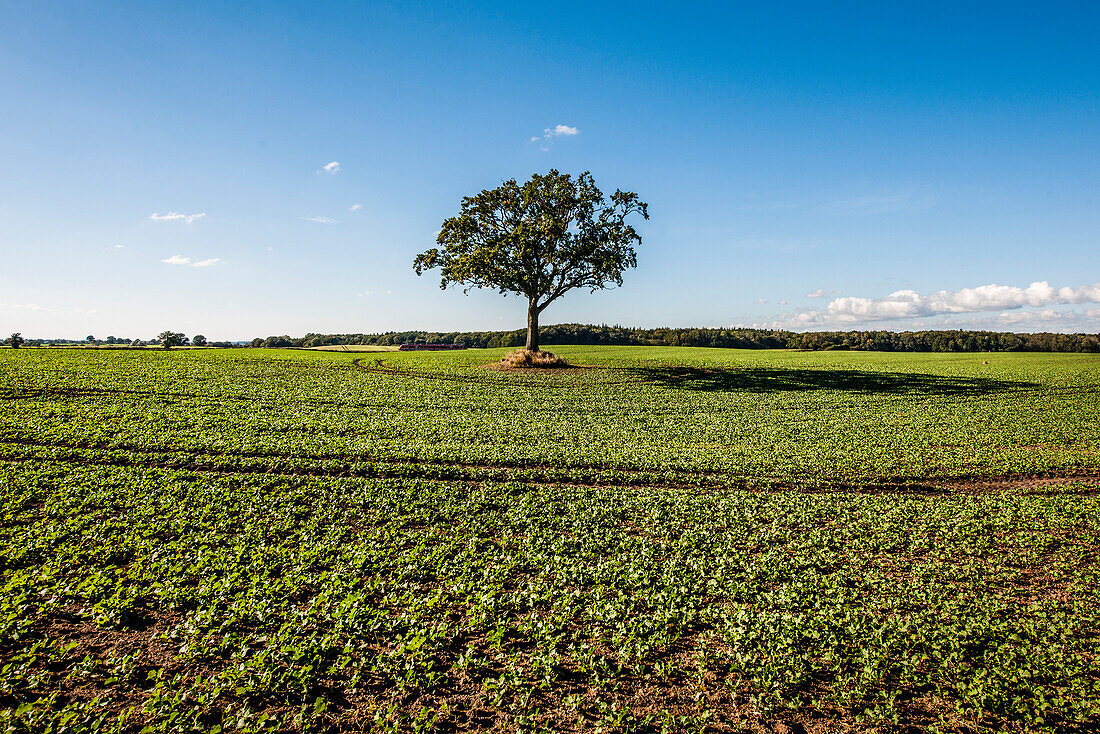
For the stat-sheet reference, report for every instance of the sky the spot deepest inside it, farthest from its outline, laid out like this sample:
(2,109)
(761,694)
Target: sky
(244,169)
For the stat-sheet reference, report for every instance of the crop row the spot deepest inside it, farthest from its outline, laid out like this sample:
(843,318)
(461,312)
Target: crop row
(789,417)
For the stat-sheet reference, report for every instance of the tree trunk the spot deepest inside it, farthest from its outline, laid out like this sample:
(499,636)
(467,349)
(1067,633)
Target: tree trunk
(532,327)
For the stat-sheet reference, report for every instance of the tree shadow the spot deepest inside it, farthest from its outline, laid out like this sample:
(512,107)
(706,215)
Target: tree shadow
(770,379)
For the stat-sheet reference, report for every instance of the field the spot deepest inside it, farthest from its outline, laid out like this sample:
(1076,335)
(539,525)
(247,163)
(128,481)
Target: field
(353,348)
(668,539)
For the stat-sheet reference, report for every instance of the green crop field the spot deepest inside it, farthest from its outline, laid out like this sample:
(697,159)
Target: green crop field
(667,539)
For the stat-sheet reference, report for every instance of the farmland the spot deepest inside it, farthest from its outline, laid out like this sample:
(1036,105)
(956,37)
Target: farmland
(669,539)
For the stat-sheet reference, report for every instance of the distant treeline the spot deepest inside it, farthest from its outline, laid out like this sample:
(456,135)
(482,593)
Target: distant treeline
(877,341)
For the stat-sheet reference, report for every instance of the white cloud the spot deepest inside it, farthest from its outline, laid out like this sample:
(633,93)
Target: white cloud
(908,304)
(25,306)
(783,302)
(319,220)
(331,167)
(761,300)
(559,130)
(176,217)
(550,133)
(820,293)
(1047,315)
(1084,294)
(181,260)
(119,247)
(355,207)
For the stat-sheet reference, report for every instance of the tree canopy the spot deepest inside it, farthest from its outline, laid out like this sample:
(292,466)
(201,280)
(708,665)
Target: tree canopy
(539,239)
(169,339)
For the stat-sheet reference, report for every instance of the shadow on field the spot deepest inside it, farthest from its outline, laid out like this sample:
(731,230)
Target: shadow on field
(766,379)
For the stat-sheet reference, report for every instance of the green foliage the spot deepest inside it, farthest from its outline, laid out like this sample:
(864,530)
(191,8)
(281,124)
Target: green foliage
(869,341)
(16,340)
(169,339)
(540,240)
(311,541)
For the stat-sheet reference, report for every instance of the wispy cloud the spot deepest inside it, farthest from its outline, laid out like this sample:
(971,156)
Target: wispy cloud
(181,260)
(26,306)
(888,201)
(821,293)
(332,167)
(550,133)
(558,130)
(119,247)
(355,207)
(761,300)
(884,203)
(319,220)
(1046,316)
(176,217)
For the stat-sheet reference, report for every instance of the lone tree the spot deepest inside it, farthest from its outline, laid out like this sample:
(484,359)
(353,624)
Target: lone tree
(540,239)
(169,339)
(16,340)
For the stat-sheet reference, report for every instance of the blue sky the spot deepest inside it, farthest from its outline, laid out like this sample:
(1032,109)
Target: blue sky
(809,166)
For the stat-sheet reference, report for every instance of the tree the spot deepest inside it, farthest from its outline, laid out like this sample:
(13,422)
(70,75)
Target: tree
(169,339)
(540,239)
(16,340)
(198,340)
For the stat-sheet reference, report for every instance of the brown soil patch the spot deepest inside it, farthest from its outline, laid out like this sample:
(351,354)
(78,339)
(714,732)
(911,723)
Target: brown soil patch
(142,637)
(1030,484)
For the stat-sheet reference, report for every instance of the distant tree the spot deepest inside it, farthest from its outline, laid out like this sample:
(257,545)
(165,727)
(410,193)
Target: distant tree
(169,339)
(540,240)
(90,339)
(16,340)
(198,340)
